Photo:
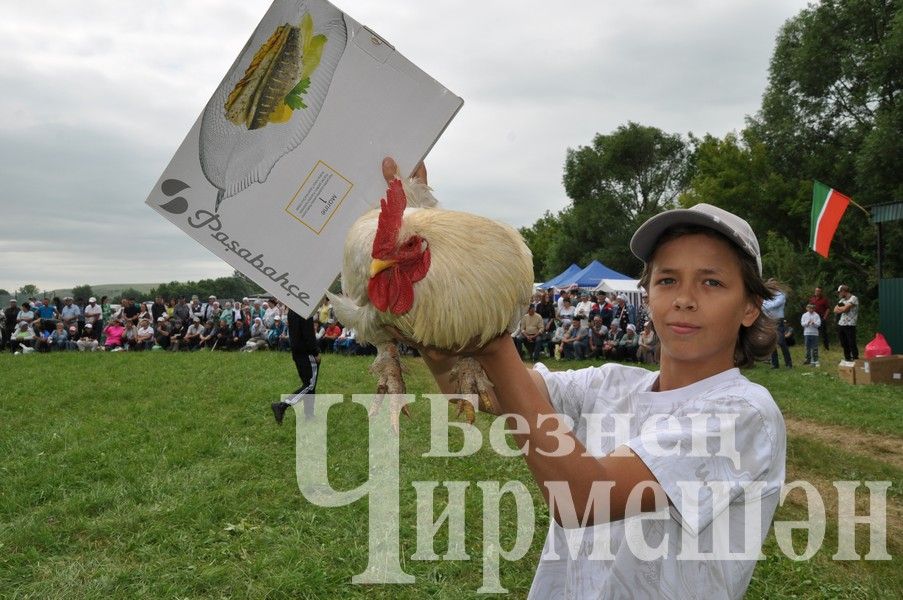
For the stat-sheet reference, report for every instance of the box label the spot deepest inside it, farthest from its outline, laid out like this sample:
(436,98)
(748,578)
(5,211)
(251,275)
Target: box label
(320,195)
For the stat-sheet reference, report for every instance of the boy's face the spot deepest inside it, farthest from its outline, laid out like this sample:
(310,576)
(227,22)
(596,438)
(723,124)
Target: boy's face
(698,302)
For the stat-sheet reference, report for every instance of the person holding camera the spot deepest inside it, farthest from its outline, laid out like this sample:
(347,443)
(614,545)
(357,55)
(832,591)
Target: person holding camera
(847,310)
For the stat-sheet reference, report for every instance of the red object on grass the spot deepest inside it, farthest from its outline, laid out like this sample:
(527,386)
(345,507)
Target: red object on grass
(877,347)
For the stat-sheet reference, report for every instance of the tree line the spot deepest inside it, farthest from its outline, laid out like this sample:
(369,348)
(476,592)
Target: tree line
(832,111)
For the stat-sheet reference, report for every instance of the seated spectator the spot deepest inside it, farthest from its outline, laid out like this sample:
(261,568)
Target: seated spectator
(345,343)
(113,335)
(73,338)
(559,328)
(610,347)
(240,335)
(41,337)
(88,339)
(22,338)
(598,331)
(283,343)
(332,333)
(567,311)
(26,314)
(59,339)
(163,334)
(192,338)
(144,336)
(581,339)
(531,329)
(647,352)
(129,335)
(257,336)
(567,342)
(223,335)
(628,344)
(207,339)
(274,331)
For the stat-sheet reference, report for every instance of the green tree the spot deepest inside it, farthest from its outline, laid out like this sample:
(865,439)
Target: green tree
(82,291)
(615,183)
(4,292)
(833,111)
(539,237)
(28,290)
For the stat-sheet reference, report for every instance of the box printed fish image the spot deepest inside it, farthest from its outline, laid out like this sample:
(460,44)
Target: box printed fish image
(270,98)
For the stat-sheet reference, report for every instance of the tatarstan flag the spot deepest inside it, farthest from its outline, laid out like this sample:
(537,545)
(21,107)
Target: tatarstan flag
(828,207)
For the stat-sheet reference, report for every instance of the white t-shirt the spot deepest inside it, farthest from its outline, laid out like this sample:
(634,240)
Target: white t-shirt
(93,314)
(760,445)
(583,308)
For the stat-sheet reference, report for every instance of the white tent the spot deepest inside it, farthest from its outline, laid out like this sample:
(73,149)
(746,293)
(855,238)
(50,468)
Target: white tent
(628,287)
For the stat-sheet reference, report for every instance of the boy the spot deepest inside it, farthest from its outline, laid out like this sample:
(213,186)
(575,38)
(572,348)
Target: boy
(703,275)
(811,323)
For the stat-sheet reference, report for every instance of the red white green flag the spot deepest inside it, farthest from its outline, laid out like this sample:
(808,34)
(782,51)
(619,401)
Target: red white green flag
(828,207)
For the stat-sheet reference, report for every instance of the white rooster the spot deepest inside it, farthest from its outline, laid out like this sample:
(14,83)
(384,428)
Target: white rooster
(442,278)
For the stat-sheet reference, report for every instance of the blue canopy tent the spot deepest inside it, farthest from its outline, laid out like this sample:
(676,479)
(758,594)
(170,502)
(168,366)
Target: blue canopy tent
(566,274)
(590,276)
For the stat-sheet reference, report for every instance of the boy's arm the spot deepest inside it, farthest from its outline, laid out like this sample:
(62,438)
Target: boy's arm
(524,392)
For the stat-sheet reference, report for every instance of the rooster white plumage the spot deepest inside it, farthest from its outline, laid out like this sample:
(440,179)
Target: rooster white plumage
(442,278)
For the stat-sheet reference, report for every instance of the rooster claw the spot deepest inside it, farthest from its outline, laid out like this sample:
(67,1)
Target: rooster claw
(468,377)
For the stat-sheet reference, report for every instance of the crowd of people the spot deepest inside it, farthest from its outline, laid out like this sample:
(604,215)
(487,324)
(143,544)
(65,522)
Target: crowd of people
(67,324)
(563,326)
(582,325)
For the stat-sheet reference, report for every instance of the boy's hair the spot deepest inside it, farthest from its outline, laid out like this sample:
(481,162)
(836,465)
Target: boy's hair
(757,341)
(808,306)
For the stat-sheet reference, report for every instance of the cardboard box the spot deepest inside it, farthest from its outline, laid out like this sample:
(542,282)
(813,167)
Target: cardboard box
(286,155)
(886,369)
(847,373)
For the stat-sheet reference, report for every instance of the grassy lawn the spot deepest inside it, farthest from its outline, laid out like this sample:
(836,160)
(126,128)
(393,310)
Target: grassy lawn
(164,476)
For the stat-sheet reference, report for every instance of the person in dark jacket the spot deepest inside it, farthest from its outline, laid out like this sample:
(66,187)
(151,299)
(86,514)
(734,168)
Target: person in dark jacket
(306,356)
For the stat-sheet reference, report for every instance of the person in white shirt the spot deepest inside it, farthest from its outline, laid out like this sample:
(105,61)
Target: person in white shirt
(93,312)
(144,337)
(811,323)
(583,307)
(634,509)
(847,310)
(567,311)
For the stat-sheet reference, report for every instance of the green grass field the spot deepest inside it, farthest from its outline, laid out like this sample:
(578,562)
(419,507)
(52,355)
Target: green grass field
(161,475)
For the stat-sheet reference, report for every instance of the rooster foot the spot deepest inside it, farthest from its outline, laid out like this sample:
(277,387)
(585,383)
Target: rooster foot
(468,377)
(388,369)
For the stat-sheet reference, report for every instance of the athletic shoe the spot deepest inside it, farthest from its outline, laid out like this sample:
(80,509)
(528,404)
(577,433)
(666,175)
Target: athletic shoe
(279,409)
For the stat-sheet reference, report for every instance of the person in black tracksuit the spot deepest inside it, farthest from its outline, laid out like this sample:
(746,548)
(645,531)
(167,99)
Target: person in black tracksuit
(307,360)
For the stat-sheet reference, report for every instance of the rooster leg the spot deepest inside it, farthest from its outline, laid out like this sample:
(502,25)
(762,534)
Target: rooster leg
(468,377)
(388,369)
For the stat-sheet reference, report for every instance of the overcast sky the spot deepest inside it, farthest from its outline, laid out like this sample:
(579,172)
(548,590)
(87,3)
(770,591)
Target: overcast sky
(98,95)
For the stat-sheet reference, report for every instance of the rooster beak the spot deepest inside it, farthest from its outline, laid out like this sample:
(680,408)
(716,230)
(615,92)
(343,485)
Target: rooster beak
(379,265)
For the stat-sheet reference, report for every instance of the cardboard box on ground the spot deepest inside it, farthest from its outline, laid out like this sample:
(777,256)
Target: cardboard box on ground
(286,154)
(884,369)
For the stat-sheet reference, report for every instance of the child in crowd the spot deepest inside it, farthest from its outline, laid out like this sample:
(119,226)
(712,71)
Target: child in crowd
(811,323)
(703,273)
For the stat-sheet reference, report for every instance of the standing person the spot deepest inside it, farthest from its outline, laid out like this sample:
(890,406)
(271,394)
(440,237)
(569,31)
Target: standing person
(823,310)
(702,268)
(93,313)
(70,313)
(811,323)
(774,309)
(848,310)
(306,356)
(9,316)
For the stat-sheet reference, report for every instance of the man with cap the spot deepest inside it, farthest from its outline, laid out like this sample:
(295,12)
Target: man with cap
(93,312)
(584,306)
(208,311)
(623,313)
(23,336)
(163,334)
(144,337)
(193,333)
(847,310)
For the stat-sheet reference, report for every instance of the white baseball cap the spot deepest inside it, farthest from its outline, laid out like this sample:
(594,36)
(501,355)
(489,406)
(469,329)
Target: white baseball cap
(643,242)
(92,299)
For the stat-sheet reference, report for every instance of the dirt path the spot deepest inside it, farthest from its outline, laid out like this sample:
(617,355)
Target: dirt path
(885,448)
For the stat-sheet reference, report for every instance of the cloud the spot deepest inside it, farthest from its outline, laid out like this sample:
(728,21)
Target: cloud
(98,97)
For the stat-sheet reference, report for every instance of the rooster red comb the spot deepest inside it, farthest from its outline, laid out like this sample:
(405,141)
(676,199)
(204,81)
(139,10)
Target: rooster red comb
(390,216)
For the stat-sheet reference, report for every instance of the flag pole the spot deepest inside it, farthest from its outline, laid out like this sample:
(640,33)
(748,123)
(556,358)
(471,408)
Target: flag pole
(854,203)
